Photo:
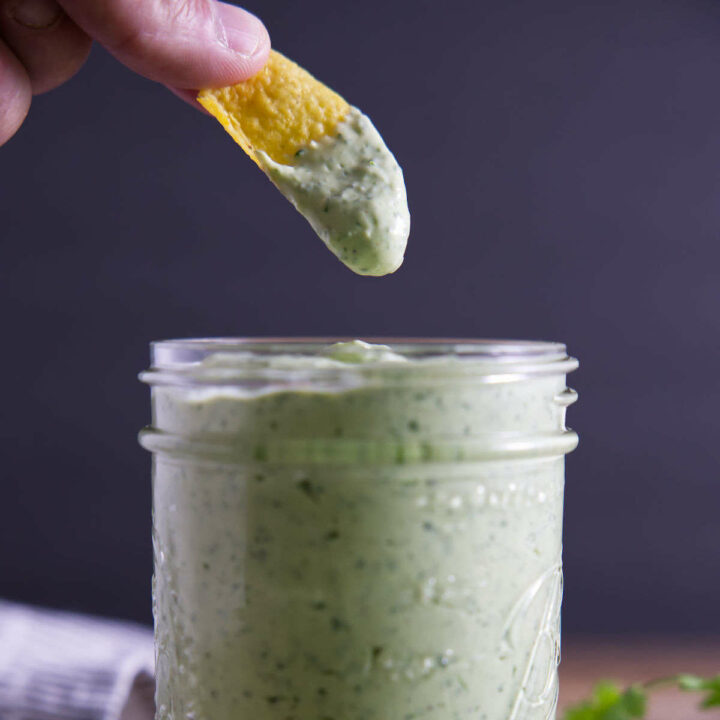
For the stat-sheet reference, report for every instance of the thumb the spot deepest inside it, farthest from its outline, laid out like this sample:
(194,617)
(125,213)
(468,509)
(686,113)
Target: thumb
(184,43)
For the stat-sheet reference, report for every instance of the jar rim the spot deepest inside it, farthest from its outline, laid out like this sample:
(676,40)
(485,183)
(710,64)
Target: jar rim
(489,360)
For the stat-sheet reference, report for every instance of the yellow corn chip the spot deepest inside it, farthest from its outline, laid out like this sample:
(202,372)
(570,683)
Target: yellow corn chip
(280,110)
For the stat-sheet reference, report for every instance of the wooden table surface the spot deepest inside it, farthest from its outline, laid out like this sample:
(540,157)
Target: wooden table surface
(585,661)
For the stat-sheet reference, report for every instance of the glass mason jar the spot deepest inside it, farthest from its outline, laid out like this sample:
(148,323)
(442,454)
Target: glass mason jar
(357,532)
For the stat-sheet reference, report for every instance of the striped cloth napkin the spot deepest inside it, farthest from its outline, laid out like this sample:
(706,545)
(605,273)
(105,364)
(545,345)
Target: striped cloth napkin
(61,666)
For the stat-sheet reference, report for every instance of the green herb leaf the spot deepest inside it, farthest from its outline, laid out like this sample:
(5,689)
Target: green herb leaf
(608,702)
(693,683)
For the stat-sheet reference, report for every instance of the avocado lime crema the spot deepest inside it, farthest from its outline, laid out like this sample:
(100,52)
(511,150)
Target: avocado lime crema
(357,531)
(350,189)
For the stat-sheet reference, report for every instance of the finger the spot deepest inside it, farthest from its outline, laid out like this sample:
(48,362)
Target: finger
(183,43)
(15,93)
(45,40)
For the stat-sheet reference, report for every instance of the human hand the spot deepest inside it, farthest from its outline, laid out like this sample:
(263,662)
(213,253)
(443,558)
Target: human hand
(184,44)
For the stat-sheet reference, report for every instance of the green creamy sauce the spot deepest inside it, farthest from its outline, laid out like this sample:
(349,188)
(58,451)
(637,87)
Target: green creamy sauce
(350,189)
(352,589)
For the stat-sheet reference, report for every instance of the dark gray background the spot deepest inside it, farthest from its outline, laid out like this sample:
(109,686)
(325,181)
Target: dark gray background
(563,168)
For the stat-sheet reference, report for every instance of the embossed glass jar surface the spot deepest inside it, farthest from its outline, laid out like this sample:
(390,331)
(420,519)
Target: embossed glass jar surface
(358,533)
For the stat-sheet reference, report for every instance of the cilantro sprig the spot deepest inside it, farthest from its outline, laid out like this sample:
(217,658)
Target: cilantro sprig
(711,686)
(610,702)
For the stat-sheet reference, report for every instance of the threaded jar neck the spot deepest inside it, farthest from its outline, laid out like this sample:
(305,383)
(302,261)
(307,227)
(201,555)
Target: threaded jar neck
(336,401)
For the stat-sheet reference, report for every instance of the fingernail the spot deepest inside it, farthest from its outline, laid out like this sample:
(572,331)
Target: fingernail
(241,31)
(242,42)
(36,14)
